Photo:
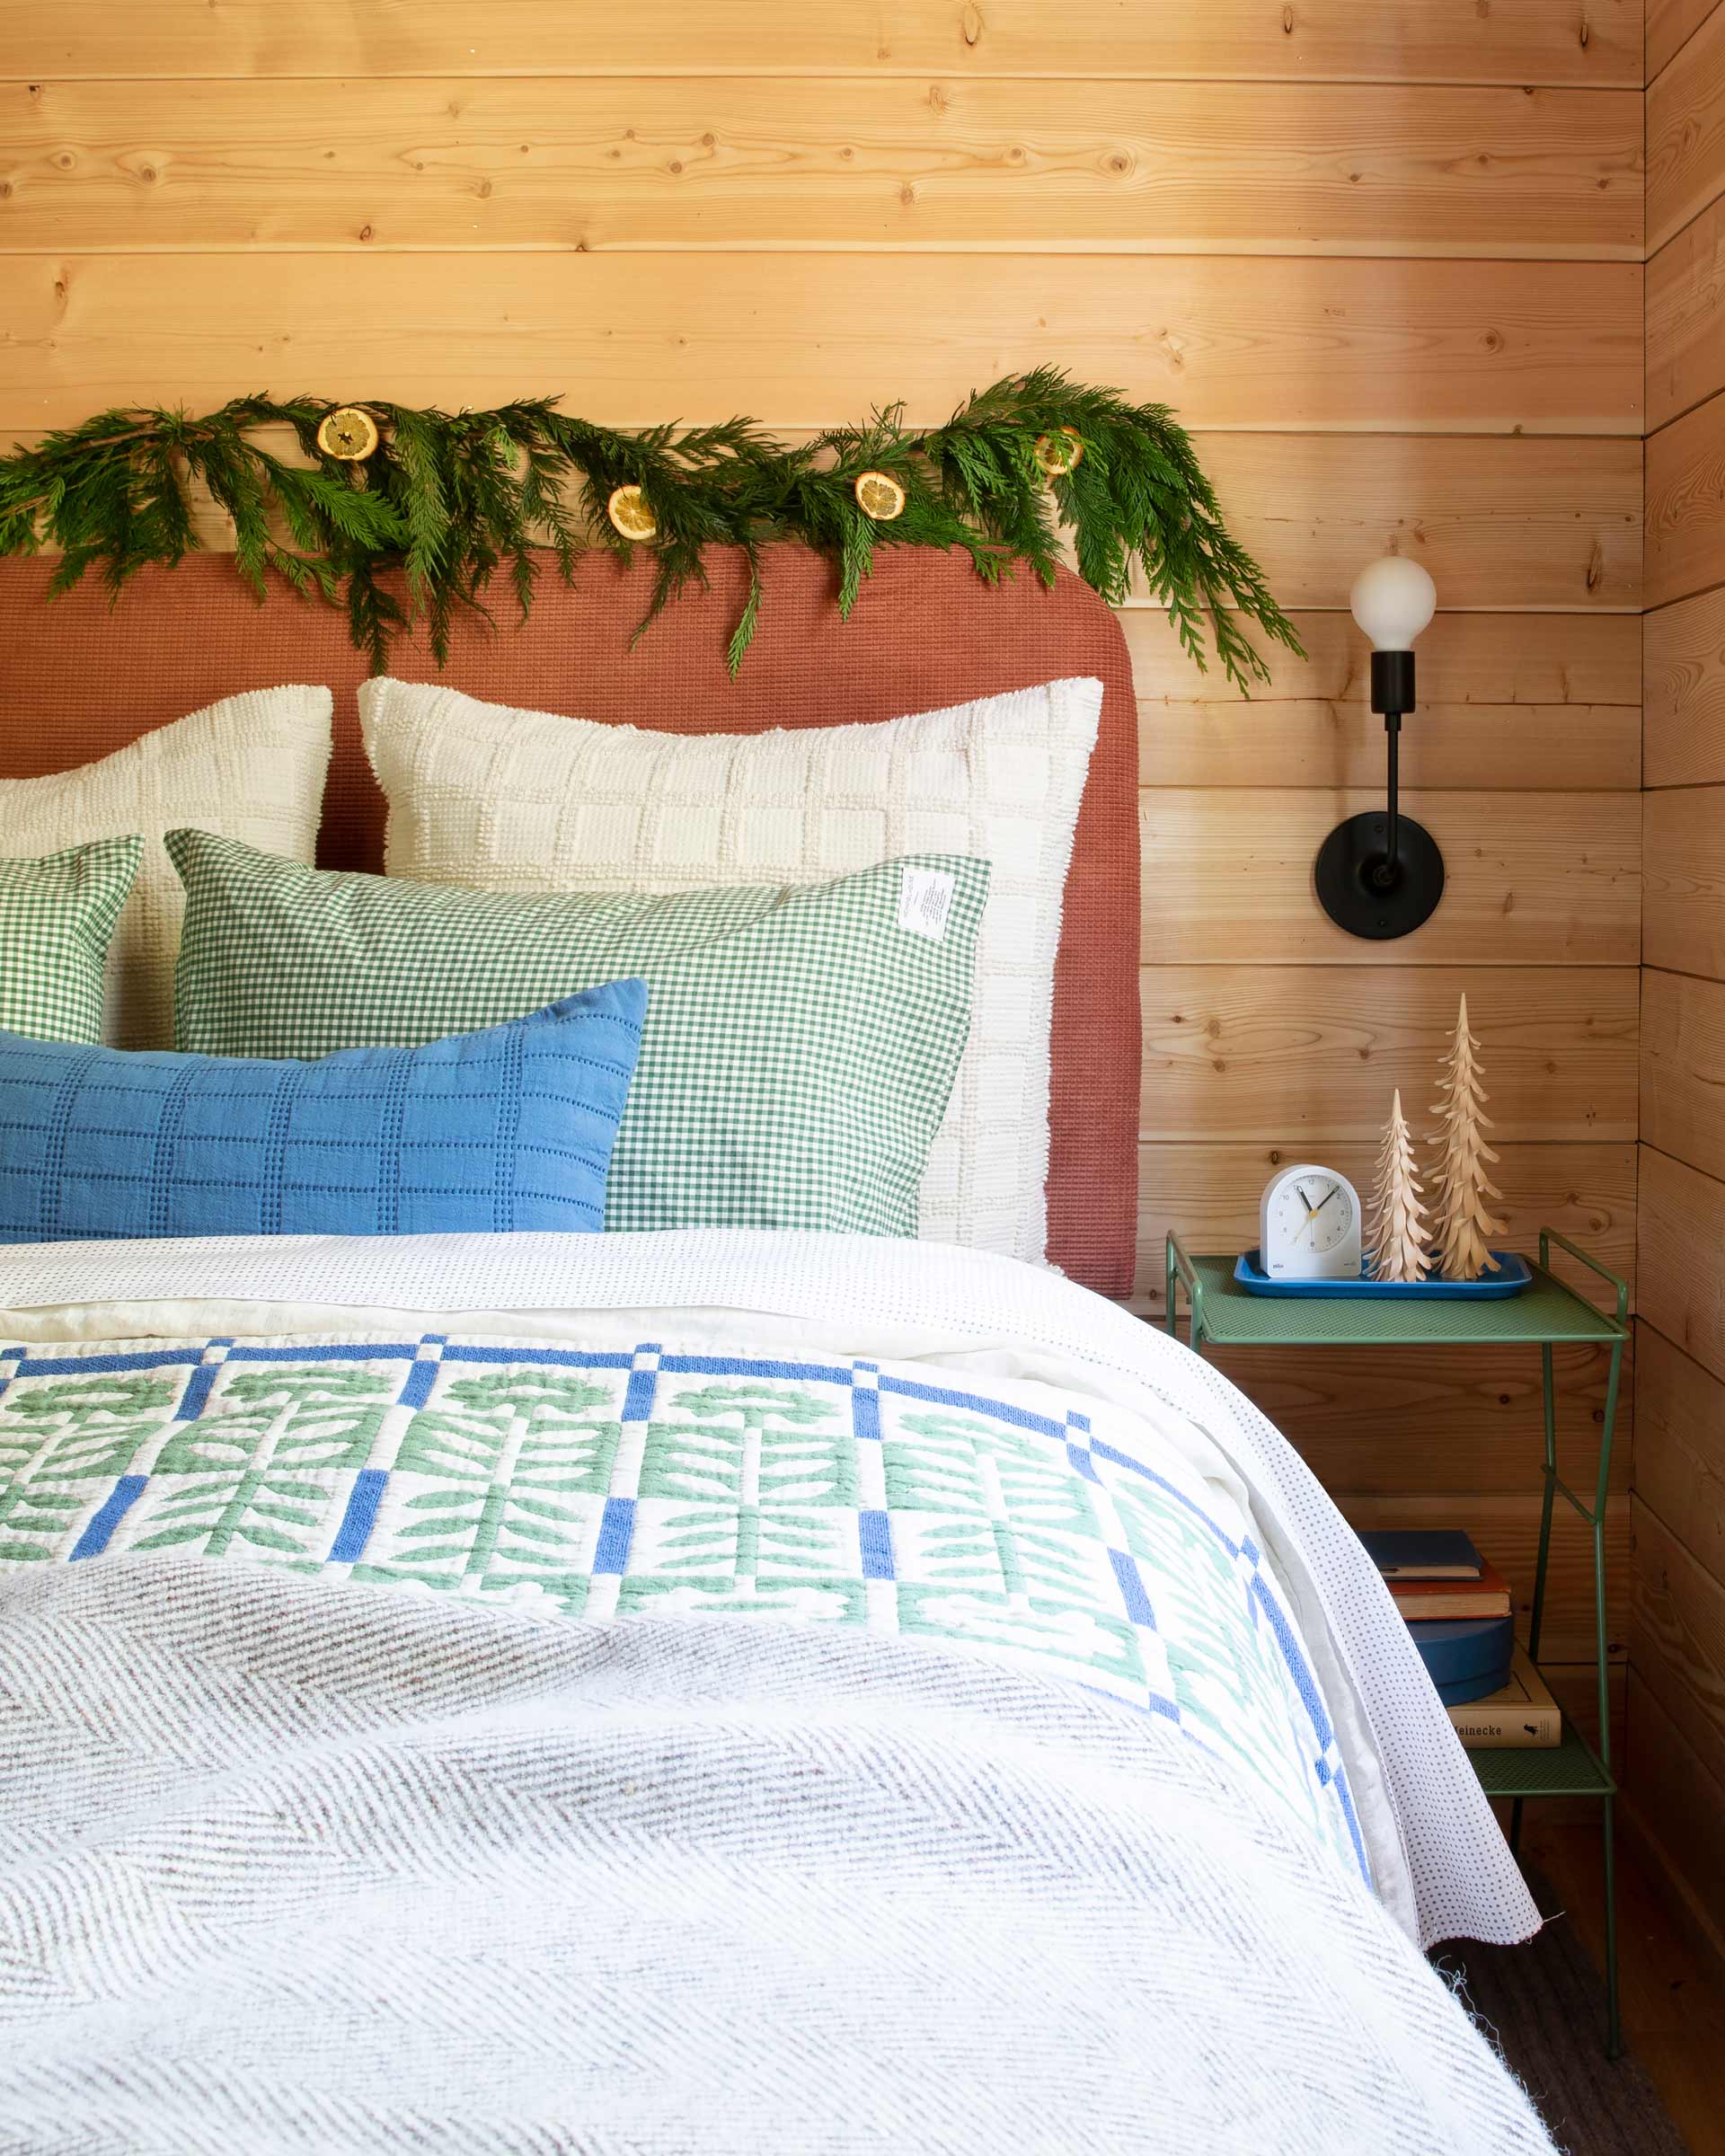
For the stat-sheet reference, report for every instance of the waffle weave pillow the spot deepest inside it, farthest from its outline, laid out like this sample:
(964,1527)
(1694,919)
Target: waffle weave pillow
(251,766)
(57,919)
(799,1044)
(509,1128)
(525,801)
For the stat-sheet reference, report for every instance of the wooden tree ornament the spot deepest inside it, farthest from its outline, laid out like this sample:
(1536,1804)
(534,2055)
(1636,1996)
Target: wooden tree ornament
(1465,1228)
(1399,1234)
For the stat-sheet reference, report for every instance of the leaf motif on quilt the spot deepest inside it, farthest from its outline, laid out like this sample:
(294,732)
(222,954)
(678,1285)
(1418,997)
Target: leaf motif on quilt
(746,1502)
(1003,1544)
(59,1440)
(501,1481)
(262,1464)
(1009,1518)
(75,1426)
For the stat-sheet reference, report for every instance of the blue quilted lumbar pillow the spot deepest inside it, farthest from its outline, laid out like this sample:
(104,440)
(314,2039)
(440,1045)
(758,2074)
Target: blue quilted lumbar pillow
(510,1127)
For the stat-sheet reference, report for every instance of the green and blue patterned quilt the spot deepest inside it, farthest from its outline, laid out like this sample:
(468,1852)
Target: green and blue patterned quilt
(602,1483)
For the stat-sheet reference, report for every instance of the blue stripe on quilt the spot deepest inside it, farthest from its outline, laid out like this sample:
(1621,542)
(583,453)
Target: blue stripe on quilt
(360,1516)
(643,1383)
(874,1539)
(200,1385)
(616,1533)
(99,1533)
(1133,1598)
(416,1388)
(865,1401)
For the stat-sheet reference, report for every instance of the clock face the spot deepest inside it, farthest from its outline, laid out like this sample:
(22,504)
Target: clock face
(1309,1226)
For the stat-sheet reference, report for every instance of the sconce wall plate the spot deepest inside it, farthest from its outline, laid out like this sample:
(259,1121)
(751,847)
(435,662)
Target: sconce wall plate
(1361,892)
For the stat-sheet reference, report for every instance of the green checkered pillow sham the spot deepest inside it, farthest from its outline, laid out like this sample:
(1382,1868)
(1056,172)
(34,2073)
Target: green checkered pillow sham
(57,915)
(801,1041)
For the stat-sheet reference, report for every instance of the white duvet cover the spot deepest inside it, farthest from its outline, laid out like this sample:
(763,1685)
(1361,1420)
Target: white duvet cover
(948,1494)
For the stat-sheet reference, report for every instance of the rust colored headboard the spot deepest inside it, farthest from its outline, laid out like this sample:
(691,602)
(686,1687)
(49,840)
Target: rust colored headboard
(78,680)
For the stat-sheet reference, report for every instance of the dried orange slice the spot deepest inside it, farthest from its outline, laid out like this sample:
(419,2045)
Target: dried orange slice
(1058,454)
(630,514)
(879,495)
(347,433)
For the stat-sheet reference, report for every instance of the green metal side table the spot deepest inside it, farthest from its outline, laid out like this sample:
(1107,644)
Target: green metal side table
(1546,1315)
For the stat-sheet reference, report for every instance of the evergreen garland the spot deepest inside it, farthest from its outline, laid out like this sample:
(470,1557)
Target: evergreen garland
(452,498)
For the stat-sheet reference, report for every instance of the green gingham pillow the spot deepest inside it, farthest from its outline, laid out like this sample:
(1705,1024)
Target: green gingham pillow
(57,915)
(801,1041)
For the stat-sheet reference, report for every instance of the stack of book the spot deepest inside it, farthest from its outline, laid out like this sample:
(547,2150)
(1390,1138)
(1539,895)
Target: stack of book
(1458,1607)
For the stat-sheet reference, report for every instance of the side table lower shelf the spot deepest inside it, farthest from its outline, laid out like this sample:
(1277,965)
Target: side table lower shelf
(1547,1314)
(1570,1768)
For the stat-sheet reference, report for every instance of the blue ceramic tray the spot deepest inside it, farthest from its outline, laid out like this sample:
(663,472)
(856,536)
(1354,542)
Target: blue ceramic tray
(1513,1275)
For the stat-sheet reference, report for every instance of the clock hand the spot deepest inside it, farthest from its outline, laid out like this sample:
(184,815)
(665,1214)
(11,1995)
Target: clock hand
(1305,1200)
(1335,1191)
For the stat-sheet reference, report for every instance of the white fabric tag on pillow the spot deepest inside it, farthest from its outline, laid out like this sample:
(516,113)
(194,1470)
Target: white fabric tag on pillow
(925,901)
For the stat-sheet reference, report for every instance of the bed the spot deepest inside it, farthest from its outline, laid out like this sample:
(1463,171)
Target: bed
(711,1689)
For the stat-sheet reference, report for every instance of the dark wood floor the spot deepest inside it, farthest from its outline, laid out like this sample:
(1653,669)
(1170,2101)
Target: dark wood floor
(1673,1993)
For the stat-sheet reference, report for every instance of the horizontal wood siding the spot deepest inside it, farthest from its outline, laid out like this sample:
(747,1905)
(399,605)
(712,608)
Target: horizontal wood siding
(1676,1777)
(1670,23)
(1517,695)
(1503,523)
(1551,879)
(1683,328)
(1684,838)
(903,162)
(1684,738)
(1683,1068)
(1395,43)
(802,341)
(1674,1805)
(1680,1453)
(1459,1421)
(1678,1634)
(1267,1052)
(1682,1256)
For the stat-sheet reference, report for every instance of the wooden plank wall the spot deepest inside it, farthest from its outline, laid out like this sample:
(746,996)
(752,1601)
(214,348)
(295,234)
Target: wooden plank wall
(1385,257)
(1677,1693)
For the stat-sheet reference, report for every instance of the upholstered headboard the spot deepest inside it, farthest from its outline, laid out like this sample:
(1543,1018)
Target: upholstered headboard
(78,680)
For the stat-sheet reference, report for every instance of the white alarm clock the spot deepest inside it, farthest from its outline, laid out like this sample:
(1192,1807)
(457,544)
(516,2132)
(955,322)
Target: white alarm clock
(1308,1225)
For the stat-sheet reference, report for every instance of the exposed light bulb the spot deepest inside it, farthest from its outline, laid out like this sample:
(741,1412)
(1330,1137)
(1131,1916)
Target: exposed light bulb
(1393,601)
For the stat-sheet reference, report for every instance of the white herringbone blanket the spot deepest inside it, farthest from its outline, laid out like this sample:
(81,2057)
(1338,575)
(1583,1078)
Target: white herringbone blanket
(290,1865)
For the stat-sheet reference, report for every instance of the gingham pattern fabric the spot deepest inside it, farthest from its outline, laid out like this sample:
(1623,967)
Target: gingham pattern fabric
(606,1483)
(504,800)
(56,918)
(799,1044)
(252,766)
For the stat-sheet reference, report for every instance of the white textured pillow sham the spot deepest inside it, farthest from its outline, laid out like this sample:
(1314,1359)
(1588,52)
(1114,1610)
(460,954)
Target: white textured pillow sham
(250,767)
(526,802)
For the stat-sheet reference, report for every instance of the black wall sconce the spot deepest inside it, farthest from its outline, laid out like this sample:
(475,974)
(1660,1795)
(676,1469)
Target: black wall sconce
(1380,874)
